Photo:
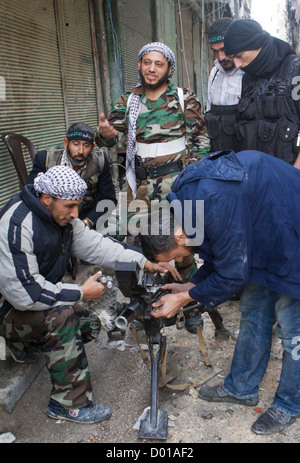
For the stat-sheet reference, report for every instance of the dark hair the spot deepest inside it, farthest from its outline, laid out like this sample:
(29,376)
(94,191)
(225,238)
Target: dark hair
(158,236)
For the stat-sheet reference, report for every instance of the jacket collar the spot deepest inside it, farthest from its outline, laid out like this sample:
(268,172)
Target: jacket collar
(221,165)
(230,73)
(32,202)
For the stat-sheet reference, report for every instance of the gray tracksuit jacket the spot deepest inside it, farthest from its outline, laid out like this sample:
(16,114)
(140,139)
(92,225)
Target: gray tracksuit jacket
(35,251)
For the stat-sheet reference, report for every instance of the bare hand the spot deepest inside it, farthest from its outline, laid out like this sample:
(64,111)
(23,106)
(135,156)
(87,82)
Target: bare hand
(93,289)
(163,267)
(176,288)
(106,130)
(169,304)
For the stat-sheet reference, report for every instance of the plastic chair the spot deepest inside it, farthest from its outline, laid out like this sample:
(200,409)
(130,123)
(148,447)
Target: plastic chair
(15,144)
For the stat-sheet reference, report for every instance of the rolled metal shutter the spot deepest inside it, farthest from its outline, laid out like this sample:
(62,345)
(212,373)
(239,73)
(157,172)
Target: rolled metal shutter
(47,68)
(29,63)
(201,64)
(185,61)
(135,31)
(77,61)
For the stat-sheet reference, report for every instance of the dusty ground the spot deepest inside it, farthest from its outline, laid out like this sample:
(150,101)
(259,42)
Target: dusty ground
(121,380)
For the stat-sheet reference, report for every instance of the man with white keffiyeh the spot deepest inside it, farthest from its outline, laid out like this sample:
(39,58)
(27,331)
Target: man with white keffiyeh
(39,229)
(164,127)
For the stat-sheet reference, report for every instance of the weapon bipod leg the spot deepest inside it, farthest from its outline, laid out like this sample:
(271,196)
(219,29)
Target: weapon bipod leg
(217,320)
(155,423)
(195,308)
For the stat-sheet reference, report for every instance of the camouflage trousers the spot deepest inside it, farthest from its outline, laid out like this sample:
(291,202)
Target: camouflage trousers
(60,334)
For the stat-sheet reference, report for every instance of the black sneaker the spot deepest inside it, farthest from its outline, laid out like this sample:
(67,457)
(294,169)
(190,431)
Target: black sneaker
(217,394)
(273,420)
(92,413)
(22,355)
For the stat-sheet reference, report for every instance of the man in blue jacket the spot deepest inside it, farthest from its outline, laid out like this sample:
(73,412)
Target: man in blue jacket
(251,241)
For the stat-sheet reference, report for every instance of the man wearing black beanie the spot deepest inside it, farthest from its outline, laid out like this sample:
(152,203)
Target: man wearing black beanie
(268,117)
(224,91)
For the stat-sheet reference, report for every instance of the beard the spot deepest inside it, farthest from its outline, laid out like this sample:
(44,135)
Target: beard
(163,80)
(77,160)
(227,64)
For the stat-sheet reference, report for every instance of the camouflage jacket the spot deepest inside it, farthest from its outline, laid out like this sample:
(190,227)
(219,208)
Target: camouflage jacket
(162,121)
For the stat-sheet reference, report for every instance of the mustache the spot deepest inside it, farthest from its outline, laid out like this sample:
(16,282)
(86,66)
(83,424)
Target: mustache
(77,160)
(226,61)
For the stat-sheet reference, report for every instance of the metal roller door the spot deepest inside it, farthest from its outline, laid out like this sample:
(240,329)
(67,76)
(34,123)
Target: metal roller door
(184,20)
(33,104)
(135,31)
(78,73)
(46,64)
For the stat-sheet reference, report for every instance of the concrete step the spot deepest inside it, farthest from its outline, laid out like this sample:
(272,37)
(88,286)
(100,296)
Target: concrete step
(15,379)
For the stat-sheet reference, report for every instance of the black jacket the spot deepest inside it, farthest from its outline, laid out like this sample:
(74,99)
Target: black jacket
(268,117)
(99,180)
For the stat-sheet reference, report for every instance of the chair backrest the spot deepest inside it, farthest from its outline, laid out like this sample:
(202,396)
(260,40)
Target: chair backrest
(14,143)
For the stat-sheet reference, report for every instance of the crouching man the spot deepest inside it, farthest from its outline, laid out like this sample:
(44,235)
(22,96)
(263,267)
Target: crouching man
(251,241)
(39,229)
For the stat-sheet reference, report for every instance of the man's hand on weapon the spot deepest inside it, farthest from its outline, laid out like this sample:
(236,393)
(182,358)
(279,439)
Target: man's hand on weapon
(169,304)
(176,288)
(163,267)
(106,130)
(93,289)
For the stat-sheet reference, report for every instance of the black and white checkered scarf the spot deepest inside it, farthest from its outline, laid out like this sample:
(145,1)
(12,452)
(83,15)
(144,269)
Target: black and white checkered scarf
(134,109)
(61,182)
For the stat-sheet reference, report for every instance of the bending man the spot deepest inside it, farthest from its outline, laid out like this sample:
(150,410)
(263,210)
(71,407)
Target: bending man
(251,241)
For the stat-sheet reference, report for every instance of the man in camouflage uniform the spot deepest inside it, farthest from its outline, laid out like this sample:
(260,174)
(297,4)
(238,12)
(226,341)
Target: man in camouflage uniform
(39,228)
(165,131)
(164,125)
(91,164)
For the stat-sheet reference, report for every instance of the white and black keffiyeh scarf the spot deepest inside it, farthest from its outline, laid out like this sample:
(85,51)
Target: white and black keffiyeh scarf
(61,182)
(134,109)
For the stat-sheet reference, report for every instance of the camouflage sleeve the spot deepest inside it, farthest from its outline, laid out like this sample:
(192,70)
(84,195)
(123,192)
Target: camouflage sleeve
(196,133)
(117,118)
